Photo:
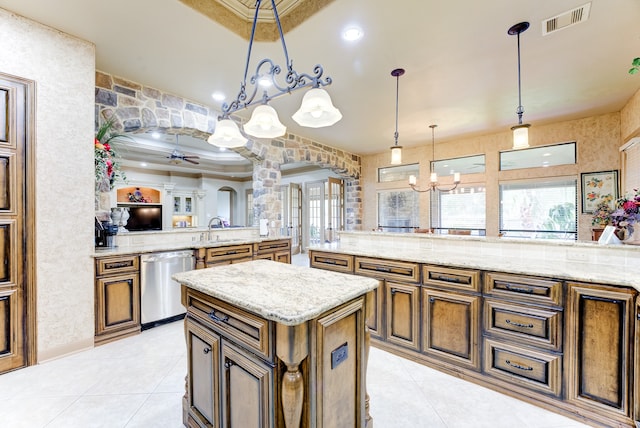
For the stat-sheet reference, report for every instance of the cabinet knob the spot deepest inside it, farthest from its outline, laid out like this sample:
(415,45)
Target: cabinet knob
(206,350)
(432,299)
(216,318)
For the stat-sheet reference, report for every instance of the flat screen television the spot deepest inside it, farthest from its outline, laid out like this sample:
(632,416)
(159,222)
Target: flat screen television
(148,217)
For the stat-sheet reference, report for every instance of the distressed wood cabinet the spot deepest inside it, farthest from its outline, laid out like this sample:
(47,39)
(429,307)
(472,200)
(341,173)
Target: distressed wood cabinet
(117,297)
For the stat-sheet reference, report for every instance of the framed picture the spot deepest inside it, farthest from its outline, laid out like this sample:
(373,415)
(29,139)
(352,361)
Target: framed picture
(598,187)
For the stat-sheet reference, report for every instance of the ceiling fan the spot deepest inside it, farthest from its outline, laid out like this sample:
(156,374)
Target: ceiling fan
(177,156)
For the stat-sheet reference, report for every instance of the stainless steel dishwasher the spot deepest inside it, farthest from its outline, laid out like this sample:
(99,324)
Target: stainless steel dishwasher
(160,295)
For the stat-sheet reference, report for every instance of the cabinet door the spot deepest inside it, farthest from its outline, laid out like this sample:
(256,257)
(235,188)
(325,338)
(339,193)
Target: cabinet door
(599,348)
(637,365)
(117,305)
(450,327)
(203,389)
(374,320)
(403,314)
(247,397)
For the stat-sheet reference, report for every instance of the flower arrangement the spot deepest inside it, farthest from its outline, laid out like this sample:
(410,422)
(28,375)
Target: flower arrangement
(627,212)
(107,167)
(602,214)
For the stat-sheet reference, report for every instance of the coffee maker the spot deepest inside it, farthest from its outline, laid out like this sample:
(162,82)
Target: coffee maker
(104,233)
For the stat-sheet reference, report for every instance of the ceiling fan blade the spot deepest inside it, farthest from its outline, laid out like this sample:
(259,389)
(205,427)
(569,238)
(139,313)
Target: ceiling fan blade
(191,161)
(192,157)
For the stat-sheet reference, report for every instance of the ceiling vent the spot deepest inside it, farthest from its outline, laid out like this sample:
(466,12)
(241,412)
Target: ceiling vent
(566,19)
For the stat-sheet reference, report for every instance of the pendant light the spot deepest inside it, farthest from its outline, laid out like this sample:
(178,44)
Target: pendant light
(396,150)
(227,134)
(520,131)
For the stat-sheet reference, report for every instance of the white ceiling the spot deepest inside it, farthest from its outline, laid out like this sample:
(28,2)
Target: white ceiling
(461,66)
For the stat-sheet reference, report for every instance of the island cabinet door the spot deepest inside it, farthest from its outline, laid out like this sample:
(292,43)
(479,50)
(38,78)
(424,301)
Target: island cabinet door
(451,326)
(203,389)
(599,348)
(247,394)
(403,314)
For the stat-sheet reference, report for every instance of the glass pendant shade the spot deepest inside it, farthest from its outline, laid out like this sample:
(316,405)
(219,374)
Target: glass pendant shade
(396,155)
(264,123)
(317,110)
(520,136)
(227,135)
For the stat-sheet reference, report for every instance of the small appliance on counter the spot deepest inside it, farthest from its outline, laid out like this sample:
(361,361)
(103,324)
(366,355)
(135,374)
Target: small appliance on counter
(104,233)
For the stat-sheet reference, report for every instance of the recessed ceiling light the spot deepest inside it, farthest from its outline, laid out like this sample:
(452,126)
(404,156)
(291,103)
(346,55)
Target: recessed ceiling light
(352,34)
(547,154)
(143,164)
(156,135)
(218,96)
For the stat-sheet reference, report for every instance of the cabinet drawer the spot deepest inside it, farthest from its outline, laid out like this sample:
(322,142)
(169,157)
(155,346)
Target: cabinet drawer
(332,261)
(522,366)
(270,246)
(459,279)
(387,269)
(117,265)
(245,328)
(523,288)
(218,254)
(534,326)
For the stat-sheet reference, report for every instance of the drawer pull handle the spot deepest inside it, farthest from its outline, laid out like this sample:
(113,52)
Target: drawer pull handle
(446,278)
(517,324)
(519,289)
(382,269)
(518,366)
(216,318)
(206,350)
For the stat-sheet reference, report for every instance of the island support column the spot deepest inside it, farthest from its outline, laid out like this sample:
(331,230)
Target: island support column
(292,347)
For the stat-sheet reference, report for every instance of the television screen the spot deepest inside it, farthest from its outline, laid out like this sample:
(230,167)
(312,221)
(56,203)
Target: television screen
(144,218)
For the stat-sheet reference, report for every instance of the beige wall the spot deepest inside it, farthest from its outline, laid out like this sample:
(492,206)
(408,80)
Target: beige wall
(63,68)
(597,138)
(630,118)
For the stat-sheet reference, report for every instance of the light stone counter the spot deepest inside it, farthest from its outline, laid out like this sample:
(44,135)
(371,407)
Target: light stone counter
(287,294)
(579,261)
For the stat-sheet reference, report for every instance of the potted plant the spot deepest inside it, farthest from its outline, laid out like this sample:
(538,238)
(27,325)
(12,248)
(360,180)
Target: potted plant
(626,215)
(601,218)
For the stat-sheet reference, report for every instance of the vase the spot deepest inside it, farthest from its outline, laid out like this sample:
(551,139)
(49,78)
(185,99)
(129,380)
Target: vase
(596,232)
(632,238)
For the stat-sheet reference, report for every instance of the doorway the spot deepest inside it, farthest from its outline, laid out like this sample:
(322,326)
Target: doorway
(324,211)
(226,206)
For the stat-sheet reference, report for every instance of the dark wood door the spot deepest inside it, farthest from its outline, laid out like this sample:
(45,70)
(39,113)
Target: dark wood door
(14,277)
(451,325)
(599,347)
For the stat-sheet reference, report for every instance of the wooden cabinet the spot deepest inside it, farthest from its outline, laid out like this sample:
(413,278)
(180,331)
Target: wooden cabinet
(598,370)
(395,316)
(637,364)
(183,205)
(278,250)
(523,321)
(450,327)
(228,254)
(403,314)
(117,297)
(331,261)
(451,315)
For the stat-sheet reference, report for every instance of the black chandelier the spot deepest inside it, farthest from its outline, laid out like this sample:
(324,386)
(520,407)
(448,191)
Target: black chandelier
(316,110)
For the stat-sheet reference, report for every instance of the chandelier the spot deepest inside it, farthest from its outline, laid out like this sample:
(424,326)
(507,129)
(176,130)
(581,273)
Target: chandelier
(396,150)
(433,179)
(520,131)
(316,110)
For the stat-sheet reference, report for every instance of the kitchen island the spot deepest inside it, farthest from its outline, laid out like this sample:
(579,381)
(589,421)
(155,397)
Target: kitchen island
(554,323)
(275,345)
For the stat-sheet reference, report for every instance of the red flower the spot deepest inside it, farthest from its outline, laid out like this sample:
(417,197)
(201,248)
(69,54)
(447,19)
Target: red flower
(629,205)
(107,147)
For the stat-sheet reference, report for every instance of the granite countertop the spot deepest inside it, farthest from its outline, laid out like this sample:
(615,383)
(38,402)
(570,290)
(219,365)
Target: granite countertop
(172,246)
(280,292)
(614,265)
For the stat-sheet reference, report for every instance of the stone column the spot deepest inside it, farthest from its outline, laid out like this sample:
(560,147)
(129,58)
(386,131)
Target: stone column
(266,194)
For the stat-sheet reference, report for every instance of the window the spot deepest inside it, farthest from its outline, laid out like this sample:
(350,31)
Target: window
(398,210)
(539,209)
(461,211)
(539,157)
(463,165)
(398,173)
(250,212)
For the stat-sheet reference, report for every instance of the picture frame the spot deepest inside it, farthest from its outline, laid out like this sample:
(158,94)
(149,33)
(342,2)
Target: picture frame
(597,187)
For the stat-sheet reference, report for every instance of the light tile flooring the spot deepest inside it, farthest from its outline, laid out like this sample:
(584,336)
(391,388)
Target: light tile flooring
(139,382)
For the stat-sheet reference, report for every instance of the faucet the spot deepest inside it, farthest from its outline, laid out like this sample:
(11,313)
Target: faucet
(220,222)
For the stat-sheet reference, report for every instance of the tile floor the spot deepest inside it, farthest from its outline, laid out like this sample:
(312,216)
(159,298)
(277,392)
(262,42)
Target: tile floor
(139,382)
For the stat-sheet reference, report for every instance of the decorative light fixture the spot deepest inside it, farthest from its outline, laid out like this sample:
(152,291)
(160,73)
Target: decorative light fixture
(433,179)
(520,131)
(316,110)
(396,150)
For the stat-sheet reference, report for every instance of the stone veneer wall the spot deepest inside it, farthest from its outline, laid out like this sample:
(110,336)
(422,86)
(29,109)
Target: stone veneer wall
(139,108)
